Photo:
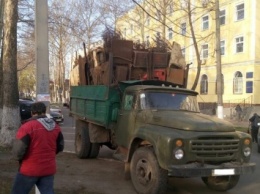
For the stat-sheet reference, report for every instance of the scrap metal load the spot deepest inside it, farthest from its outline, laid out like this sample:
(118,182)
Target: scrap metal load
(118,60)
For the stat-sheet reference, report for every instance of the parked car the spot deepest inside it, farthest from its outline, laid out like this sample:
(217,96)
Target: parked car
(56,116)
(25,109)
(55,108)
(56,113)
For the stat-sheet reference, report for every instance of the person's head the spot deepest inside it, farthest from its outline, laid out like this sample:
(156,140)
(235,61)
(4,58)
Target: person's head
(38,108)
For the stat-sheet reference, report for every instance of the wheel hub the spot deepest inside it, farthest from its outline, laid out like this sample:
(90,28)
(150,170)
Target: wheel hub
(143,173)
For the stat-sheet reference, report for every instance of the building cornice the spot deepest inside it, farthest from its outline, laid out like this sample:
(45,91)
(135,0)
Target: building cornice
(242,63)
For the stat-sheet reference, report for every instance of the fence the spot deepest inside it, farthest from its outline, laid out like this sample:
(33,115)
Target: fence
(229,107)
(245,104)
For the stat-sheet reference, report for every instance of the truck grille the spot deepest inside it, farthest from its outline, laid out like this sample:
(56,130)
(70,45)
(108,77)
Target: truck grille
(214,148)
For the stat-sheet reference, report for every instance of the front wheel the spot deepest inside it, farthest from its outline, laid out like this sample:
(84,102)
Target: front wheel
(221,183)
(146,174)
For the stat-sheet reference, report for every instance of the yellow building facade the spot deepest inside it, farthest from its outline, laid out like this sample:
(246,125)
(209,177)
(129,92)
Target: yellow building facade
(240,34)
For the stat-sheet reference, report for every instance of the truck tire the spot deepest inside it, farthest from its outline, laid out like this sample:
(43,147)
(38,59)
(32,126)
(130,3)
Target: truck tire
(146,174)
(94,150)
(82,141)
(221,183)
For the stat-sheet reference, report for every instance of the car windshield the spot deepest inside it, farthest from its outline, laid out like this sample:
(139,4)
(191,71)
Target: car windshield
(168,101)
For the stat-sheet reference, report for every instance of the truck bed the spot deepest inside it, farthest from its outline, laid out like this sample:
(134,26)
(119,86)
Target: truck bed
(94,103)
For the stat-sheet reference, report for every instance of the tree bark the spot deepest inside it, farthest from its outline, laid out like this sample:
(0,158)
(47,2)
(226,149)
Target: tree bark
(195,42)
(11,115)
(1,60)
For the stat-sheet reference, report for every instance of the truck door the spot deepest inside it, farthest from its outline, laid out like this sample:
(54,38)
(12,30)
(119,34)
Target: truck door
(126,120)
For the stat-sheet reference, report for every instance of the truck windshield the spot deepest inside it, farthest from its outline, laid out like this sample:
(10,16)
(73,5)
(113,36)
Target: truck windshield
(168,101)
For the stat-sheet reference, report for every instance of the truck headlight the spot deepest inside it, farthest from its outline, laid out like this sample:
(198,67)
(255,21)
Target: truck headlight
(247,151)
(179,153)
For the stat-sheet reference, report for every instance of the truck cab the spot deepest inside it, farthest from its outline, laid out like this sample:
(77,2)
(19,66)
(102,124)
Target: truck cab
(141,102)
(164,124)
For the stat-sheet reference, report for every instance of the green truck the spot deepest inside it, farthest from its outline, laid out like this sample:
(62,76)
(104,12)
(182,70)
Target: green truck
(135,102)
(160,132)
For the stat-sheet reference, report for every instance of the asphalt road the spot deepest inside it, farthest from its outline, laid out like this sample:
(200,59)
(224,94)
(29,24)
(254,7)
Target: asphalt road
(247,184)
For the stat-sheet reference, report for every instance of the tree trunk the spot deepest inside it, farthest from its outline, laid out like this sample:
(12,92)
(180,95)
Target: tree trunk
(11,115)
(1,60)
(1,86)
(195,47)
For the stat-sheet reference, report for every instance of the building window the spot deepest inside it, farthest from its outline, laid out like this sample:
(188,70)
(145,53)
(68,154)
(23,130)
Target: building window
(222,17)
(184,4)
(131,28)
(183,28)
(204,84)
(170,33)
(240,12)
(125,32)
(222,47)
(249,74)
(205,22)
(204,3)
(170,9)
(183,52)
(158,15)
(158,35)
(239,44)
(238,83)
(147,41)
(205,51)
(148,20)
(249,87)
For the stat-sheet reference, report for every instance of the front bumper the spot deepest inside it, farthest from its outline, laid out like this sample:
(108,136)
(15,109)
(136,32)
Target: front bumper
(205,170)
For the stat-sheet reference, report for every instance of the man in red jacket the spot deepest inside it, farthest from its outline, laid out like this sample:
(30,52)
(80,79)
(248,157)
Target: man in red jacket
(35,147)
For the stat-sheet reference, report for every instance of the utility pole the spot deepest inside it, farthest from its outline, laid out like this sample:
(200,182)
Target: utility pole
(218,64)
(42,55)
(42,52)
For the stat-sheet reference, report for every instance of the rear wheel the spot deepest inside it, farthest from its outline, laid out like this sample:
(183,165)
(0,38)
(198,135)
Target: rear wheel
(82,142)
(94,151)
(146,174)
(221,183)
(83,147)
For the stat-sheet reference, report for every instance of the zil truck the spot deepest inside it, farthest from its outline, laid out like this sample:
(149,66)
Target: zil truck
(153,122)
